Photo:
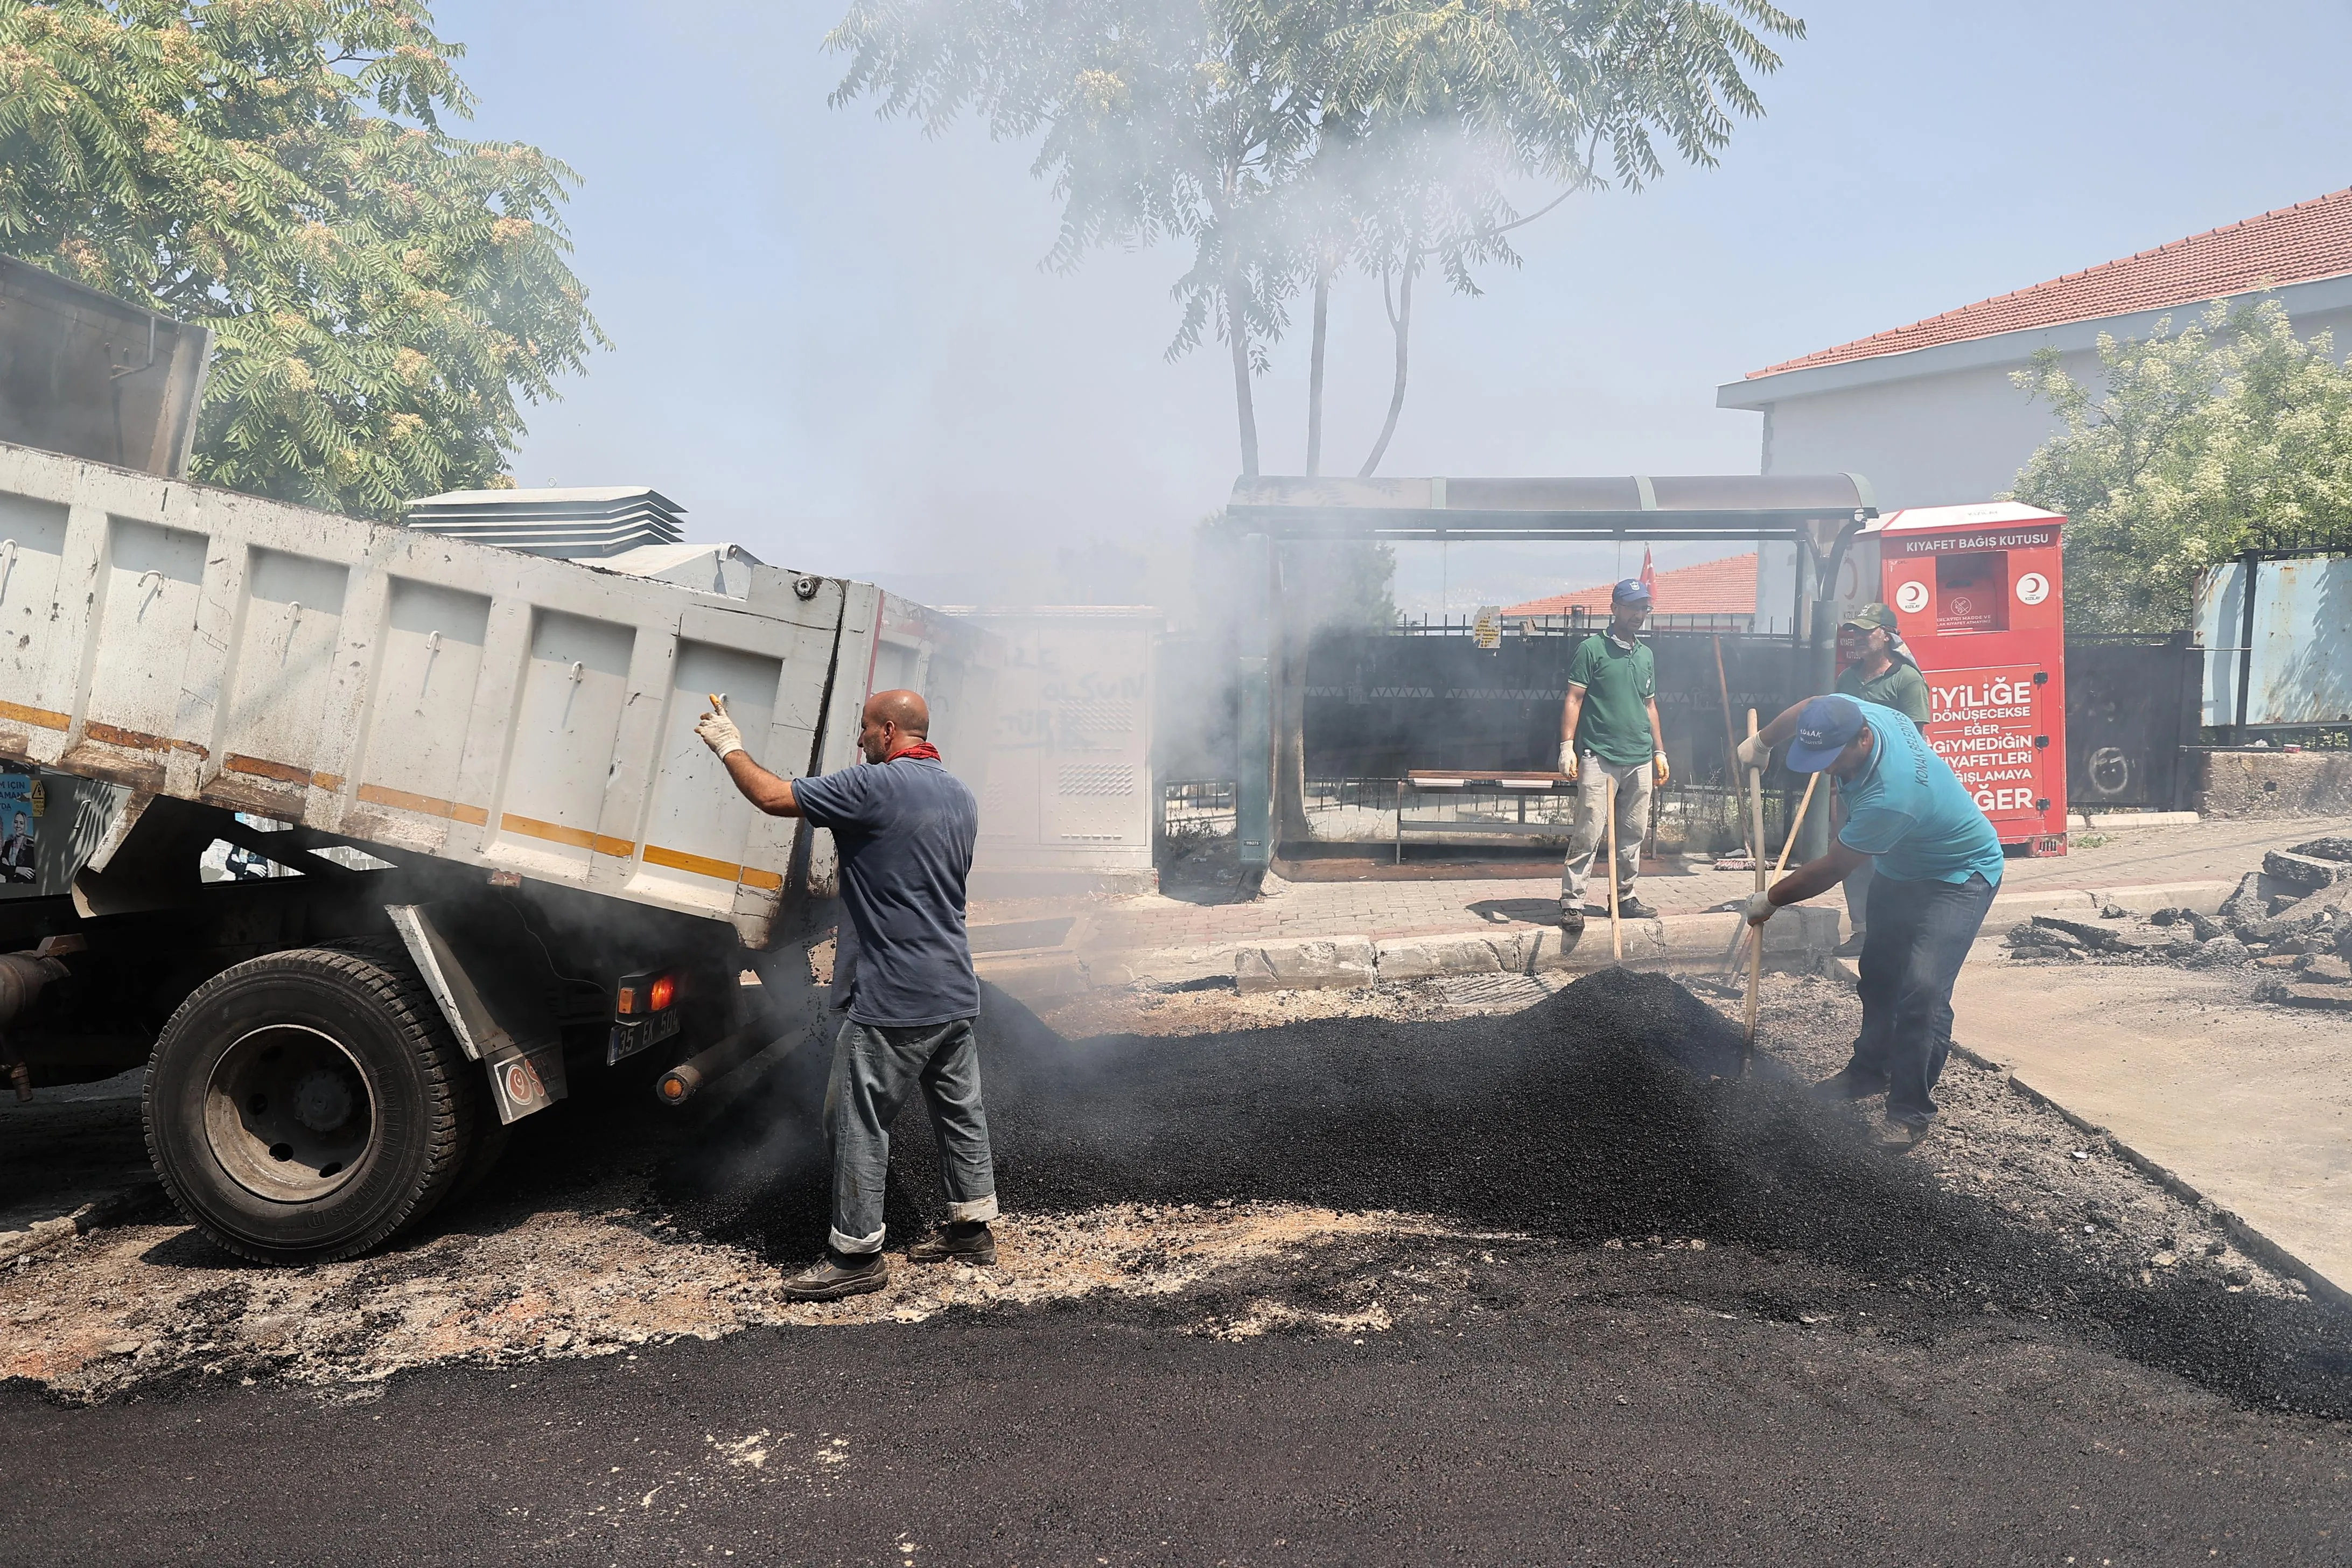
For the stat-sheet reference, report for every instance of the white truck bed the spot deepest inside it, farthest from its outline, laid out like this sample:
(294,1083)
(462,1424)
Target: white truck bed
(510,711)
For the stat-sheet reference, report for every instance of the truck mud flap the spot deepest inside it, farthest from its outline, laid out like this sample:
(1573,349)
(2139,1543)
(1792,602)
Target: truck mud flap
(525,1081)
(524,1076)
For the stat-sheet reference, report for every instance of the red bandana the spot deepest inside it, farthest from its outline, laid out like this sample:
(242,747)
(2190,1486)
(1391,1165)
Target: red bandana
(922,750)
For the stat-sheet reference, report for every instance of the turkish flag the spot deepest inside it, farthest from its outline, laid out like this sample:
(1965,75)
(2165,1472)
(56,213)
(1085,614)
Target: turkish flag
(1649,577)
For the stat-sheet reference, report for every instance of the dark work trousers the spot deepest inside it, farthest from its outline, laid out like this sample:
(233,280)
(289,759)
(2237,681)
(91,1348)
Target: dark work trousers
(1918,937)
(1857,894)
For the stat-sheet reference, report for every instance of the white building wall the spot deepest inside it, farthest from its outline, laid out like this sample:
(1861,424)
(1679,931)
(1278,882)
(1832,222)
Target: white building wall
(1945,427)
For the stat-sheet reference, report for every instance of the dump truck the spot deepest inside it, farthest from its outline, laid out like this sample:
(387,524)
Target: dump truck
(501,858)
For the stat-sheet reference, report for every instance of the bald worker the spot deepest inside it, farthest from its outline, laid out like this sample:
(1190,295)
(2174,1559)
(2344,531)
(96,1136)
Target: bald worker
(903,826)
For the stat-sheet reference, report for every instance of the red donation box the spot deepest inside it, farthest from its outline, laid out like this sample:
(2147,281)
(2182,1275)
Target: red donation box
(1979,593)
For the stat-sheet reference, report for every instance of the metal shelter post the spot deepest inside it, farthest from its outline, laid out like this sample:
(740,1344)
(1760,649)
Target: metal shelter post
(1253,738)
(1813,838)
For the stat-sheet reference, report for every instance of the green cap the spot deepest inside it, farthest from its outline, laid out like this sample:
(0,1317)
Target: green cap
(1870,615)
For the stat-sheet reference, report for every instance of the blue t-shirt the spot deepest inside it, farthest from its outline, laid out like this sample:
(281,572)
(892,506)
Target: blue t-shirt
(903,830)
(1910,813)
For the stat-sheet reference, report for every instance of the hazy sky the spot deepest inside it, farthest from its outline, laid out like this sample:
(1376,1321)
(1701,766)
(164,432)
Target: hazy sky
(836,345)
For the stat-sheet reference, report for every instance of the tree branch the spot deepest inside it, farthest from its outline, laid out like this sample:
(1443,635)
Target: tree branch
(1400,318)
(1315,364)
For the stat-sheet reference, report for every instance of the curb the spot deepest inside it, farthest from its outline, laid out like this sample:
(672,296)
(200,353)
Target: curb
(2016,909)
(1798,938)
(96,1214)
(2125,821)
(2252,1242)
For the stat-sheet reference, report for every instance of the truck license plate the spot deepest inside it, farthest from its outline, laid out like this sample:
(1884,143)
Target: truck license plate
(628,1039)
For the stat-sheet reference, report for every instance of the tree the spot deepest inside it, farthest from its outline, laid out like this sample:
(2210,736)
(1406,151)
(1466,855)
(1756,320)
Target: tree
(2232,434)
(1291,141)
(382,293)
(1433,115)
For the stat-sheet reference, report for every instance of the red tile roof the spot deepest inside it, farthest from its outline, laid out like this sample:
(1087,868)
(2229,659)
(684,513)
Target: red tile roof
(2310,240)
(1726,587)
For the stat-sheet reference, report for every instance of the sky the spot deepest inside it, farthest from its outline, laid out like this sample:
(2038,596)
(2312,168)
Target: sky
(836,343)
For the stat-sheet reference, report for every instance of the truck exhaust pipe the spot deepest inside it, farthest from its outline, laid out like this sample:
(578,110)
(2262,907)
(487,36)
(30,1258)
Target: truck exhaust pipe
(23,977)
(682,1083)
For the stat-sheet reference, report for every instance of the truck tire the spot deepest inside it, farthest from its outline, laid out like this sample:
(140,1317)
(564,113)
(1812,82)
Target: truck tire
(303,1106)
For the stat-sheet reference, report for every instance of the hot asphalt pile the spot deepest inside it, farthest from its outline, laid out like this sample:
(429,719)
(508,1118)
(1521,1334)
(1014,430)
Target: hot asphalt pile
(1606,1113)
(2293,919)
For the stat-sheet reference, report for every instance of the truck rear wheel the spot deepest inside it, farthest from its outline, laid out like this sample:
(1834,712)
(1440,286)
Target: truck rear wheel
(303,1106)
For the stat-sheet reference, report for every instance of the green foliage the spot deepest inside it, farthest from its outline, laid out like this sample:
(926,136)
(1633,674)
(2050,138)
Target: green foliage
(2232,434)
(1430,115)
(1287,139)
(380,292)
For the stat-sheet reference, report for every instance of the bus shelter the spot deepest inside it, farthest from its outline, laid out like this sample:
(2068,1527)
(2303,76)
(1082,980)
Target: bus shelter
(1819,513)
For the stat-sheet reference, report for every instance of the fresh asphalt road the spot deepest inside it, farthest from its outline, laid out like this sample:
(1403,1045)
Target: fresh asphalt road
(1564,1406)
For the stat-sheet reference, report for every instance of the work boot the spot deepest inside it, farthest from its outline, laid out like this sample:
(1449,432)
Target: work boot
(1852,946)
(1893,1134)
(1571,918)
(1633,909)
(1848,1084)
(838,1274)
(971,1244)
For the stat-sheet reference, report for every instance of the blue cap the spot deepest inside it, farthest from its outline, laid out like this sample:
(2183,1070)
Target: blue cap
(1629,591)
(1826,727)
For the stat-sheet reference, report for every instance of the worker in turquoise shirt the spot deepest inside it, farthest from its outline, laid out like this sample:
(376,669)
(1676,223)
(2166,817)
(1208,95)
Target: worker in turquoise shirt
(1939,864)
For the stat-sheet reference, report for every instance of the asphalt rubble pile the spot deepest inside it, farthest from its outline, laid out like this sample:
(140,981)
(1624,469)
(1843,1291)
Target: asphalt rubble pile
(2291,919)
(1613,1110)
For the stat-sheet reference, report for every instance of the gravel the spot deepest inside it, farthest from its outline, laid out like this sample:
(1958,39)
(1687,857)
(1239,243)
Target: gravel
(1206,1173)
(1606,1113)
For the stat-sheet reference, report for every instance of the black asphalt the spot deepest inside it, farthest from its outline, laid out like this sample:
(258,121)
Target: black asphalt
(1857,1369)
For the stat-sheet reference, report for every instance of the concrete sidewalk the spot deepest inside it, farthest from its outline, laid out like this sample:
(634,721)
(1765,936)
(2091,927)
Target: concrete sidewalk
(2246,1105)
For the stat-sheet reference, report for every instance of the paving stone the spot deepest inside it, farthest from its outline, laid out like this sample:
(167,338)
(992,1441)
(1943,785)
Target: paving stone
(2084,934)
(2304,873)
(2303,994)
(2328,969)
(2304,915)
(2223,951)
(2249,902)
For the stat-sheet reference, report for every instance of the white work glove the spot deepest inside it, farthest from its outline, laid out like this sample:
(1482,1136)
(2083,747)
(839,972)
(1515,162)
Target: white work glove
(717,730)
(1759,908)
(1658,764)
(1567,759)
(1753,753)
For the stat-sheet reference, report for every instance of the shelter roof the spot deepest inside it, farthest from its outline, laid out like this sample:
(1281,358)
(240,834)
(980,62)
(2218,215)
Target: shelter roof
(1976,514)
(1637,506)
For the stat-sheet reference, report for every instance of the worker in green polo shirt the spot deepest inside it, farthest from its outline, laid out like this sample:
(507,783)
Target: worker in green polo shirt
(1610,744)
(1887,675)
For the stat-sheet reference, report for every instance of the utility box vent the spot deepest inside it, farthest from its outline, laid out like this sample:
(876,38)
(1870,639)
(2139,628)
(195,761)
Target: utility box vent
(574,524)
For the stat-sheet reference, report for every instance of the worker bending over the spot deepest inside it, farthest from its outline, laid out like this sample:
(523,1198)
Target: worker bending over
(903,828)
(1938,863)
(1887,675)
(1610,744)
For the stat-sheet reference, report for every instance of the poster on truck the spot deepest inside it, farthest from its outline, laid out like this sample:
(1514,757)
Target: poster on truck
(19,819)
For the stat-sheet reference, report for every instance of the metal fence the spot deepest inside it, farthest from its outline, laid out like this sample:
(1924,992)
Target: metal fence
(1576,623)
(1382,706)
